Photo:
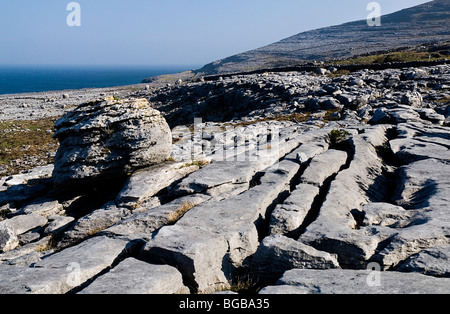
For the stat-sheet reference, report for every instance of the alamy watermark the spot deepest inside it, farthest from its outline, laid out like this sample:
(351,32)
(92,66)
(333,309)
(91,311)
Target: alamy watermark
(374,17)
(74,275)
(74,17)
(228,142)
(374,277)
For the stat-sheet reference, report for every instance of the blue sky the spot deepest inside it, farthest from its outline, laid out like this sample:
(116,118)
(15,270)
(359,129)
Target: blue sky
(162,32)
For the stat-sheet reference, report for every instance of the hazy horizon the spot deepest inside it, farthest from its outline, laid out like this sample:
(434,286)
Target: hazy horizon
(162,33)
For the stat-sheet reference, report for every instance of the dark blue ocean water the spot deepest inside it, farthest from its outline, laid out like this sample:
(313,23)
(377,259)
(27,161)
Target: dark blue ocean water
(24,79)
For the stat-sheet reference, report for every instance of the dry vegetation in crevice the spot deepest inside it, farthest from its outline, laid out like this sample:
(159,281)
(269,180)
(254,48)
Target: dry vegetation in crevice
(26,144)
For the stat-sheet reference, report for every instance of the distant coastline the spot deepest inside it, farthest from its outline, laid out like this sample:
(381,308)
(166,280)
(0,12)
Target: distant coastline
(16,79)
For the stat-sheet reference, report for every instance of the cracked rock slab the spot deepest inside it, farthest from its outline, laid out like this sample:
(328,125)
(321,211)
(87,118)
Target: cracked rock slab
(277,254)
(144,184)
(196,253)
(337,281)
(132,276)
(334,230)
(63,271)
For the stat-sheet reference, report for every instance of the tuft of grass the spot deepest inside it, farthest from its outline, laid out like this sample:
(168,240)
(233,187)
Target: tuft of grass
(180,212)
(198,163)
(337,136)
(443,101)
(339,73)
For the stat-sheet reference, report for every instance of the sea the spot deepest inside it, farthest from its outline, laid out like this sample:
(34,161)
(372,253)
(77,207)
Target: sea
(39,78)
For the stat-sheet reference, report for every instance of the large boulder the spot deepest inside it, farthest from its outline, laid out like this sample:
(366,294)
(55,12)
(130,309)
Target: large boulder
(107,139)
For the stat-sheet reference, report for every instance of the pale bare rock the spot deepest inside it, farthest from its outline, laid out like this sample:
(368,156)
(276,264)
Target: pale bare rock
(323,167)
(289,216)
(196,253)
(337,281)
(132,276)
(8,239)
(145,183)
(335,229)
(106,139)
(278,254)
(63,271)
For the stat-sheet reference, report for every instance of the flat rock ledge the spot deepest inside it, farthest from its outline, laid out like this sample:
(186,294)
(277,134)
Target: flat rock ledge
(351,198)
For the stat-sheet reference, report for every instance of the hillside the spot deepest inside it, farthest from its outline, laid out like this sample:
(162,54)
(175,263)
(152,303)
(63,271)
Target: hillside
(425,23)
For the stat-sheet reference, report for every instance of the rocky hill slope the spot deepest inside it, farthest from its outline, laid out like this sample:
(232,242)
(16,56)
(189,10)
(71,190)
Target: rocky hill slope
(294,182)
(425,23)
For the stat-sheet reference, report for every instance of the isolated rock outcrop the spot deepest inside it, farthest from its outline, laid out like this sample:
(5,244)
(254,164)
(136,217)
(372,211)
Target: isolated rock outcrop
(108,138)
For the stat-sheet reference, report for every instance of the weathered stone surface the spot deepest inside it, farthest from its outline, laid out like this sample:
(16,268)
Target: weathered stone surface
(63,271)
(358,282)
(423,188)
(44,207)
(58,224)
(431,262)
(8,239)
(403,114)
(217,174)
(93,223)
(25,280)
(413,99)
(22,223)
(431,115)
(418,142)
(277,254)
(28,254)
(145,183)
(142,225)
(106,139)
(132,276)
(196,253)
(276,195)
(324,166)
(43,172)
(335,229)
(232,222)
(386,215)
(290,215)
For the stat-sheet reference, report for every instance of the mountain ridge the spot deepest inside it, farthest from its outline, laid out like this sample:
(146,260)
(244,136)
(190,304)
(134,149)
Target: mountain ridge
(425,23)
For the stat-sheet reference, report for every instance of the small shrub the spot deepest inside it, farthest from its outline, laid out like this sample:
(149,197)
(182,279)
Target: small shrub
(337,136)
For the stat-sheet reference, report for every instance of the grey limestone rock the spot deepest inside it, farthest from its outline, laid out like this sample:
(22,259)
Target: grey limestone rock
(336,281)
(132,276)
(107,139)
(277,254)
(196,253)
(324,166)
(93,223)
(335,229)
(431,262)
(145,183)
(272,197)
(20,224)
(286,218)
(413,99)
(8,239)
(43,206)
(63,271)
